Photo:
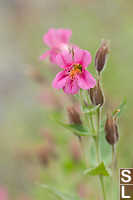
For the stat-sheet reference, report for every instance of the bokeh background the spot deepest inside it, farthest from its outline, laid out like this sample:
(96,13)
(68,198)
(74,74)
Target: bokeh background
(35,150)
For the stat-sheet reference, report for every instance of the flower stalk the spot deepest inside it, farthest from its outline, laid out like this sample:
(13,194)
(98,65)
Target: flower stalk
(97,145)
(98,133)
(113,169)
(98,150)
(97,98)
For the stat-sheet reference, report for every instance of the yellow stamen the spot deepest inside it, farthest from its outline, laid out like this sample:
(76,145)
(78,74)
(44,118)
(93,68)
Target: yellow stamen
(77,68)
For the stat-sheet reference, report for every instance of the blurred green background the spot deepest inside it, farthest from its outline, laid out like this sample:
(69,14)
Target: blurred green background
(35,150)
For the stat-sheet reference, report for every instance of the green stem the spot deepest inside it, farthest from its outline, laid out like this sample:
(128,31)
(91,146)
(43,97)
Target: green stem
(92,124)
(96,138)
(102,186)
(85,116)
(98,150)
(98,133)
(113,170)
(82,105)
(85,121)
(81,99)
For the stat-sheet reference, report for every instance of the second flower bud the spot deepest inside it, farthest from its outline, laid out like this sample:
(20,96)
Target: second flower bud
(96,95)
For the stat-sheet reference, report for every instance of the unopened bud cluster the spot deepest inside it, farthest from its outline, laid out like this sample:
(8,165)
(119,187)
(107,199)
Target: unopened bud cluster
(97,96)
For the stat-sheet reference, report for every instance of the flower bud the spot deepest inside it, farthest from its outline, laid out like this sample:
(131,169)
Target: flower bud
(74,116)
(111,130)
(101,56)
(96,95)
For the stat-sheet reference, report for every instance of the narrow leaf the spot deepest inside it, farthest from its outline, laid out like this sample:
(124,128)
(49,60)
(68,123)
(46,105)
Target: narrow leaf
(77,129)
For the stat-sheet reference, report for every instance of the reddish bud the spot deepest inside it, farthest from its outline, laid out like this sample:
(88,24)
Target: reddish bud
(111,130)
(74,116)
(96,95)
(101,56)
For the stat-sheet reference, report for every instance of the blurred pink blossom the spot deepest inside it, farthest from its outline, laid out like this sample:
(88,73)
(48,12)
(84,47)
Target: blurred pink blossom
(3,194)
(57,40)
(74,76)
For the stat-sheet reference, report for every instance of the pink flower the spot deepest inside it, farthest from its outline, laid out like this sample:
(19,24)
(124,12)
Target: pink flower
(74,75)
(57,40)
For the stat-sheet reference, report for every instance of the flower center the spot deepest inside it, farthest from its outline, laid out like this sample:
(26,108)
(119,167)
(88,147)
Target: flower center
(77,68)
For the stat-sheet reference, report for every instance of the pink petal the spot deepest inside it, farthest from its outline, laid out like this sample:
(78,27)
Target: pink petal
(82,57)
(53,55)
(78,53)
(60,80)
(42,57)
(50,38)
(86,59)
(64,35)
(64,59)
(86,80)
(55,37)
(71,87)
(3,194)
